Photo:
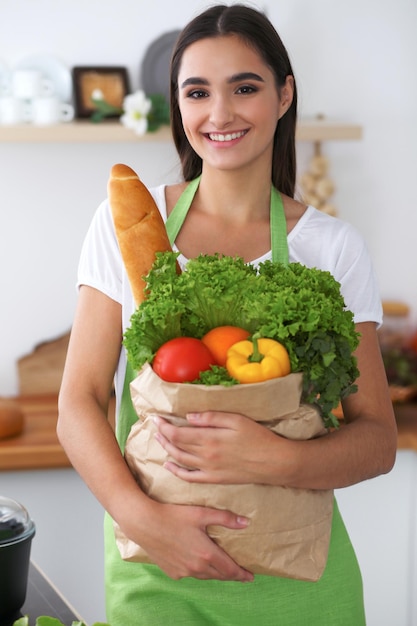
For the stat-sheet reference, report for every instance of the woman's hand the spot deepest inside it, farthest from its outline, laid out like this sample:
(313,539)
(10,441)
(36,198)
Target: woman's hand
(221,448)
(175,538)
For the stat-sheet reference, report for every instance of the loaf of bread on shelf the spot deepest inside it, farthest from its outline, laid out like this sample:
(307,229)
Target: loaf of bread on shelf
(139,226)
(11,419)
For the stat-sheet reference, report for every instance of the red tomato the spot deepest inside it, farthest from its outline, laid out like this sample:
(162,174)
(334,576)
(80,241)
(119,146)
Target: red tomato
(181,360)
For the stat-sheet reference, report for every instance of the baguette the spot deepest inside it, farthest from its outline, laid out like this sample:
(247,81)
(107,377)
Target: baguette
(140,229)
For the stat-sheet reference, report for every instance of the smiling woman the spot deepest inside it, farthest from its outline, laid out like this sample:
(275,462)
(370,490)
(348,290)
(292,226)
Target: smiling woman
(226,95)
(233,116)
(268,52)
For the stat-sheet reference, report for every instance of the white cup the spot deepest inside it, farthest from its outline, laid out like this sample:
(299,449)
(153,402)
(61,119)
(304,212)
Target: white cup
(13,111)
(30,84)
(47,111)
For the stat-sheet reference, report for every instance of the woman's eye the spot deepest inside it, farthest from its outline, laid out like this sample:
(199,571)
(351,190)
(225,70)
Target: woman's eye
(246,89)
(197,93)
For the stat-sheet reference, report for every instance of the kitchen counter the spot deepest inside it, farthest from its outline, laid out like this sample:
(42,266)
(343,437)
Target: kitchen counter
(43,598)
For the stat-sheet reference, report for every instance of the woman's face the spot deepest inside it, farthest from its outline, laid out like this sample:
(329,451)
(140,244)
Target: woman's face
(229,102)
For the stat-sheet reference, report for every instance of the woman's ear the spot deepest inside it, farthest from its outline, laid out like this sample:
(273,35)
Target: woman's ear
(286,96)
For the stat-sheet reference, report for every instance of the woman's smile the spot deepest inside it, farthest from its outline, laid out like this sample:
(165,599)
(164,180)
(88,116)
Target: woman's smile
(227,137)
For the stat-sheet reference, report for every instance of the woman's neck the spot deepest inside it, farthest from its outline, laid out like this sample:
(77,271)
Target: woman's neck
(234,195)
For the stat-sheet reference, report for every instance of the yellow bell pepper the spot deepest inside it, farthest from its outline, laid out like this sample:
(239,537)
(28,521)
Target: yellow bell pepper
(256,360)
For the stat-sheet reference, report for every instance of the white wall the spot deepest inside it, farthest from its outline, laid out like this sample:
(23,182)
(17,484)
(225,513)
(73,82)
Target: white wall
(354,61)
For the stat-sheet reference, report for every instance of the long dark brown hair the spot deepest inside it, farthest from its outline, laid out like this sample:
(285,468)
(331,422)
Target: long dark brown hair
(254,28)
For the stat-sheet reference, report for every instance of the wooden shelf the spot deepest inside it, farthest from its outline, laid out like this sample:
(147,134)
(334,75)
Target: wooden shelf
(327,130)
(113,131)
(78,132)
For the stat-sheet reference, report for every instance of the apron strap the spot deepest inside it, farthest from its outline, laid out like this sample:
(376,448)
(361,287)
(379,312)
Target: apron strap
(278,225)
(127,415)
(178,214)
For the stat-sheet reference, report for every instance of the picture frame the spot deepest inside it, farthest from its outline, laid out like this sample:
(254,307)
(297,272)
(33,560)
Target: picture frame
(112,81)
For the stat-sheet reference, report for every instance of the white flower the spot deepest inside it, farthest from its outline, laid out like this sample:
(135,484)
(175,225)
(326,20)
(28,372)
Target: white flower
(136,107)
(97,94)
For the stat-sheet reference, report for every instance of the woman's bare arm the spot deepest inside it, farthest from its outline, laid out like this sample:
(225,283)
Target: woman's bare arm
(90,443)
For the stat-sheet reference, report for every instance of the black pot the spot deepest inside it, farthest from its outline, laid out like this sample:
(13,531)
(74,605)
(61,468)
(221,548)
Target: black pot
(16,534)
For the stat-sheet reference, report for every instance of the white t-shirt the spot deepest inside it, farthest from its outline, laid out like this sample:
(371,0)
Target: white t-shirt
(318,240)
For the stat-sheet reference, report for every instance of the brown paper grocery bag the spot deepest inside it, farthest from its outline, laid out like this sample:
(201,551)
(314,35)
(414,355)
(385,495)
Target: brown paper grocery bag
(289,529)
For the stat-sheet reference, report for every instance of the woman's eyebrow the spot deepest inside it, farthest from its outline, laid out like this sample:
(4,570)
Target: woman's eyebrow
(245,76)
(194,80)
(235,78)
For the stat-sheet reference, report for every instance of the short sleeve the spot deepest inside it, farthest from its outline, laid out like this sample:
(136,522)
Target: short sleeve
(100,265)
(359,285)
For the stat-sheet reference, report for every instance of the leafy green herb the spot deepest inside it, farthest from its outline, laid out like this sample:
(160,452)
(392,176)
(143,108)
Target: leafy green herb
(216,375)
(300,307)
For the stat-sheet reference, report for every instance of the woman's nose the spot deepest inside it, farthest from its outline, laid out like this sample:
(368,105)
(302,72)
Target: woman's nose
(221,112)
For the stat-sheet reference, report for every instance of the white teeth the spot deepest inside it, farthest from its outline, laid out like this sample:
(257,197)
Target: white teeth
(228,137)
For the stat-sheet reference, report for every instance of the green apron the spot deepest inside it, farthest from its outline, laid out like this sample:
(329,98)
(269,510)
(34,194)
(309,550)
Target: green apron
(138,594)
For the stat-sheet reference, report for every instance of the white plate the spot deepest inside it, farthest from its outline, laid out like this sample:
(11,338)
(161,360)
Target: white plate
(155,65)
(54,70)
